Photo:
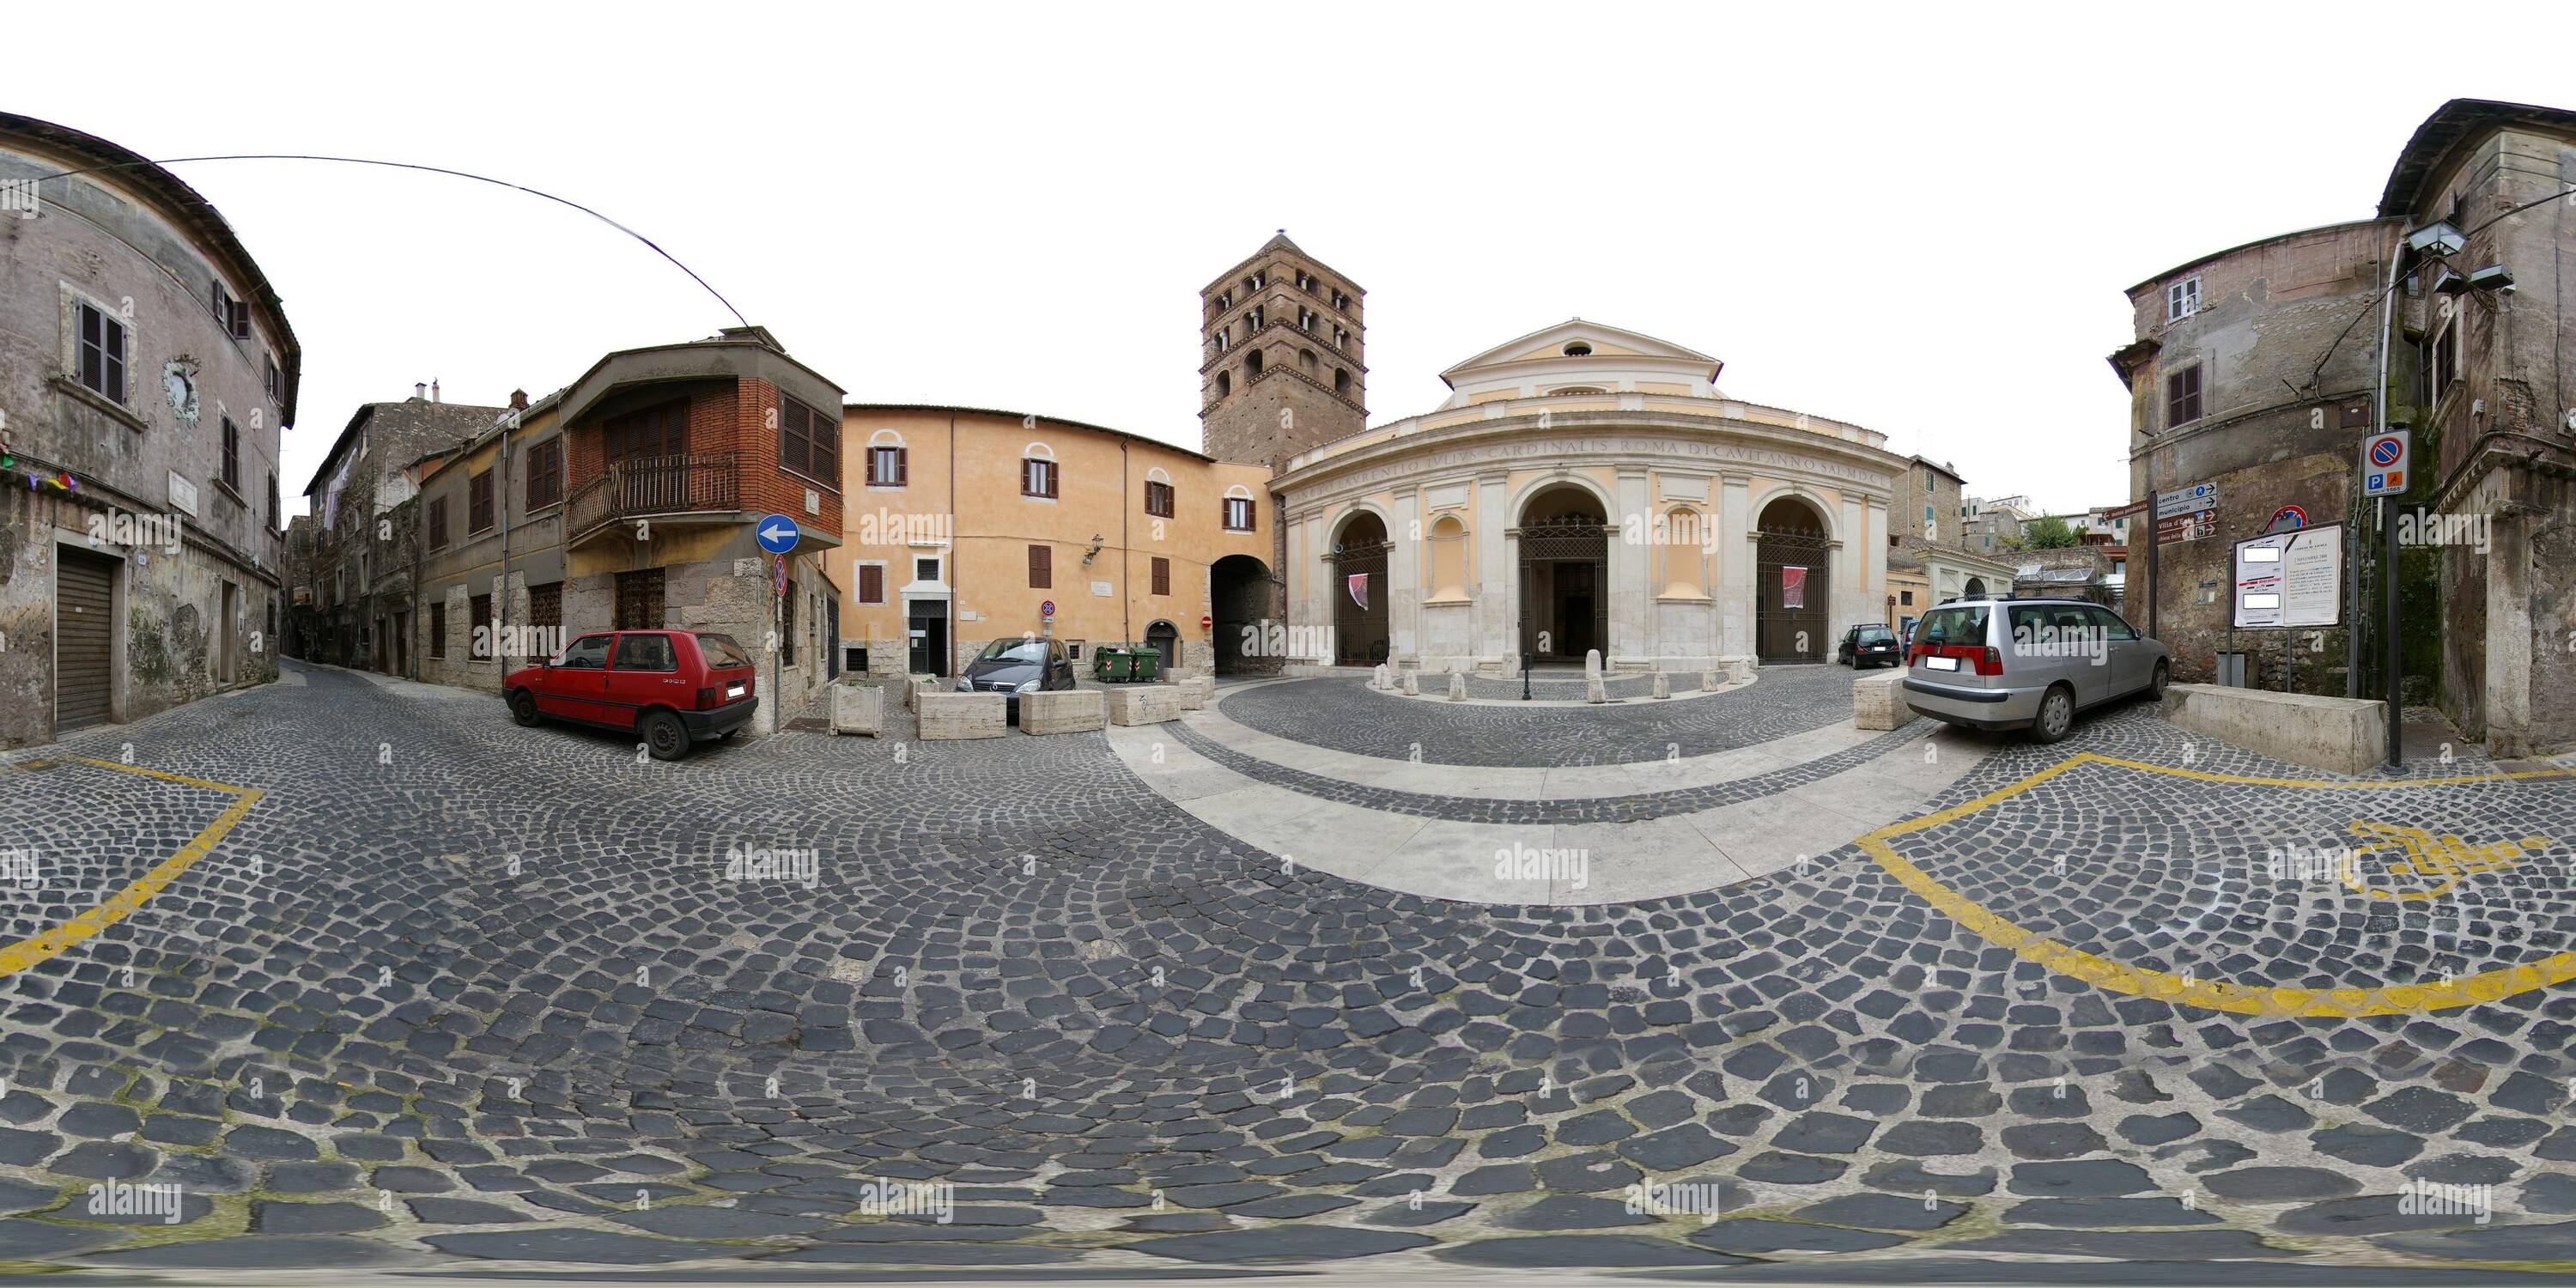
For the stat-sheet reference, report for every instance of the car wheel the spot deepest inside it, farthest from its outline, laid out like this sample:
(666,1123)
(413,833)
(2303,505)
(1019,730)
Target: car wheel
(2056,716)
(665,736)
(523,707)
(2156,684)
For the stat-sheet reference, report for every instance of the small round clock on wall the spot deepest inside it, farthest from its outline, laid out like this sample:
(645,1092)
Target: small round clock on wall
(179,381)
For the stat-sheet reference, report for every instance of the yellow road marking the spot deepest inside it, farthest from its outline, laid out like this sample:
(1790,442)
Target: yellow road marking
(53,940)
(2216,995)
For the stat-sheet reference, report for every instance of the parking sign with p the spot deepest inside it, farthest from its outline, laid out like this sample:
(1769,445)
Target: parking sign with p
(2383,462)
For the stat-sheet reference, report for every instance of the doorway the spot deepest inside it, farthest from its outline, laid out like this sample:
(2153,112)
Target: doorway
(1161,638)
(1793,573)
(1565,574)
(227,665)
(1239,596)
(927,623)
(1359,591)
(84,638)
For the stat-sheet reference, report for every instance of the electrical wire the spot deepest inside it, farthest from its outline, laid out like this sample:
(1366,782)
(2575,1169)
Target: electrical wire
(649,243)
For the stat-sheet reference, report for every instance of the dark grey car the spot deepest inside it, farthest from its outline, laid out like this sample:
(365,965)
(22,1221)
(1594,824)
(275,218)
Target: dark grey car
(1014,667)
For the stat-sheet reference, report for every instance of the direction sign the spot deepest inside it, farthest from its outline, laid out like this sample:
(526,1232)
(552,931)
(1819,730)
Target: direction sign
(777,533)
(2186,527)
(2290,578)
(2190,500)
(2384,460)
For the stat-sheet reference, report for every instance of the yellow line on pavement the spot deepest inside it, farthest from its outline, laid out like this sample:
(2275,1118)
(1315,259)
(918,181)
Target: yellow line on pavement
(54,939)
(2217,995)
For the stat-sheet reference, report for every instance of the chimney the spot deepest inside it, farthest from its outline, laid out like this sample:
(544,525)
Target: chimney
(433,391)
(419,392)
(518,400)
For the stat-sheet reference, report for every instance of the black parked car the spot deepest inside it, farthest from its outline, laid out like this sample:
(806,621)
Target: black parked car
(1014,667)
(1870,644)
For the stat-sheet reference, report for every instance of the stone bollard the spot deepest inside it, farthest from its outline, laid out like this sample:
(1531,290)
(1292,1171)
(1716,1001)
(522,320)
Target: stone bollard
(1457,687)
(1594,692)
(1592,664)
(1663,685)
(1378,679)
(1413,684)
(1708,681)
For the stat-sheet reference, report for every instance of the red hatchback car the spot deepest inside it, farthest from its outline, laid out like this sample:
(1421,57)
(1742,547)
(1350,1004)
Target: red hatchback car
(673,687)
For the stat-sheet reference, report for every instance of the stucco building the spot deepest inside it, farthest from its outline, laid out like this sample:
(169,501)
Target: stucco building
(351,573)
(146,370)
(964,525)
(1587,487)
(1928,561)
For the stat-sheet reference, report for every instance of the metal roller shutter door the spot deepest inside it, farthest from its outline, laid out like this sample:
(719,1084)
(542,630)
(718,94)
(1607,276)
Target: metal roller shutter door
(84,638)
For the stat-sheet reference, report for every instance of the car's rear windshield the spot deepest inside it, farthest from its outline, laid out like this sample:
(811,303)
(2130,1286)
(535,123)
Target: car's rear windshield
(1961,625)
(1876,633)
(722,651)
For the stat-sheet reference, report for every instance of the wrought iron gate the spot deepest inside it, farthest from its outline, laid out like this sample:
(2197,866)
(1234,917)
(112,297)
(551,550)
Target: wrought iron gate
(1574,544)
(1793,575)
(1359,631)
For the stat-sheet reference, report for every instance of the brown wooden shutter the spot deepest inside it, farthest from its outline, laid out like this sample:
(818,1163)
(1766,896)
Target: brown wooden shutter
(1162,576)
(871,583)
(1041,568)
(902,466)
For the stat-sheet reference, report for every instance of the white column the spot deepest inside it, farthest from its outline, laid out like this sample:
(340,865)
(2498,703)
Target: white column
(1317,609)
(1404,580)
(1734,591)
(1495,571)
(1874,561)
(1632,632)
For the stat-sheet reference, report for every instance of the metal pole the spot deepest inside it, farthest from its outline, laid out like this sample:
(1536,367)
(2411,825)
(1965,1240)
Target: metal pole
(2396,711)
(2379,425)
(2155,573)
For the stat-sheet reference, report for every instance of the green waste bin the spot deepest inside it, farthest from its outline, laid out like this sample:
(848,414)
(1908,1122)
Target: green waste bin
(1116,665)
(1149,664)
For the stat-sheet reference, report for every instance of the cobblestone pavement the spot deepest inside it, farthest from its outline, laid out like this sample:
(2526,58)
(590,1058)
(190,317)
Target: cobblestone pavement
(448,990)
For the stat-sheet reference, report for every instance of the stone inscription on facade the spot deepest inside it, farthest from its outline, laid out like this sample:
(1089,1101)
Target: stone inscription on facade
(1486,454)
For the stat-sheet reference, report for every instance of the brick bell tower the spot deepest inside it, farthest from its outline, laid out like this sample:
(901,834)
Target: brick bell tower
(1280,332)
(1281,371)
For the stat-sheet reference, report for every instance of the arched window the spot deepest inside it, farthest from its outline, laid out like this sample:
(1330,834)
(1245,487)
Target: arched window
(1252,365)
(1684,544)
(1448,558)
(1238,509)
(1224,383)
(1158,493)
(1037,470)
(1306,359)
(887,466)
(1341,381)
(1578,349)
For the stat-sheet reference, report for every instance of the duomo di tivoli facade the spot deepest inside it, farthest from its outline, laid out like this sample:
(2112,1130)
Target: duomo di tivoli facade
(1583,487)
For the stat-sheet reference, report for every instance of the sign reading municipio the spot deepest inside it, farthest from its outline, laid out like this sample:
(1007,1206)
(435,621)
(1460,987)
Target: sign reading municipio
(2290,578)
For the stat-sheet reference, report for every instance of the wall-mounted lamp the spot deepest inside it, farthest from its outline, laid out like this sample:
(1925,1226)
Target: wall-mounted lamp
(2438,239)
(1095,548)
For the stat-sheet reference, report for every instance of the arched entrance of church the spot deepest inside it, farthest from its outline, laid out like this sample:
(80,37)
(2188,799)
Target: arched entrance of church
(1565,575)
(1793,577)
(1239,601)
(1359,591)
(1976,588)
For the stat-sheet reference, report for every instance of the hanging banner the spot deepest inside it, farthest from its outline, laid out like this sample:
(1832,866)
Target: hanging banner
(1793,586)
(1359,589)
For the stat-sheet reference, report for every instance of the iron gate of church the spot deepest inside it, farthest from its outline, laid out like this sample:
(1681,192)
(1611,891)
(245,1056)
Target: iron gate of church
(1359,628)
(1577,548)
(1794,573)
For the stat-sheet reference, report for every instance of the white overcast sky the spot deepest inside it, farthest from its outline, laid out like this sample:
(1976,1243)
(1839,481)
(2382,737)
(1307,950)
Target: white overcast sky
(1917,217)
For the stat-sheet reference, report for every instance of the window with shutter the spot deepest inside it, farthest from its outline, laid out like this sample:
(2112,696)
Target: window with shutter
(437,522)
(479,631)
(1162,576)
(1158,499)
(871,583)
(1238,514)
(232,456)
(438,630)
(808,441)
(545,474)
(478,502)
(2182,397)
(1041,568)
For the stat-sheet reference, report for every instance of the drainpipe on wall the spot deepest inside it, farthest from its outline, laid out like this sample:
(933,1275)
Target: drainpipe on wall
(947,566)
(1126,556)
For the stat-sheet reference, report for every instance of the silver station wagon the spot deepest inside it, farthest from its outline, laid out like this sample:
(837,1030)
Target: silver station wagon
(2027,663)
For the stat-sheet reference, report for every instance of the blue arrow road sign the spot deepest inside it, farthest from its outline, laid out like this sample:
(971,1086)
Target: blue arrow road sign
(777,534)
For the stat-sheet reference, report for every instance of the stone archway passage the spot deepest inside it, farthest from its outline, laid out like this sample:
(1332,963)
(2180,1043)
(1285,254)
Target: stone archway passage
(1359,592)
(1793,577)
(1239,601)
(1564,576)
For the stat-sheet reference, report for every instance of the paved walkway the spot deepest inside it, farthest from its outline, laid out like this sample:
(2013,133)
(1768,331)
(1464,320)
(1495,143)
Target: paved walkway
(448,993)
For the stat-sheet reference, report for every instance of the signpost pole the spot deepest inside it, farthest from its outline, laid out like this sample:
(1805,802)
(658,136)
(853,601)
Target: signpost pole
(2155,577)
(2396,711)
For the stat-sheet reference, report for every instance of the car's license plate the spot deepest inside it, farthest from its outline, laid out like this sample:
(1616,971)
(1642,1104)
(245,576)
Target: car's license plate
(1942,663)
(734,692)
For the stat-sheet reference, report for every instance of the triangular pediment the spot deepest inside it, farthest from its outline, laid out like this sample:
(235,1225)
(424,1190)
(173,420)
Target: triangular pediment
(1605,341)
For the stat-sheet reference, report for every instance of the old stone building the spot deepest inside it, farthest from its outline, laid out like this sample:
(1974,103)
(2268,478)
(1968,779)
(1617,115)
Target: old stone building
(1928,561)
(146,370)
(2254,370)
(353,573)
(2248,372)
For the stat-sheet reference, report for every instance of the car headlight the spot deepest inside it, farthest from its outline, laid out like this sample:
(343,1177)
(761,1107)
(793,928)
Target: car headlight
(1027,686)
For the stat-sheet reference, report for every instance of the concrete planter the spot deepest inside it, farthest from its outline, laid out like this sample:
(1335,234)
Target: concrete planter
(1144,704)
(858,708)
(948,716)
(1064,711)
(2339,735)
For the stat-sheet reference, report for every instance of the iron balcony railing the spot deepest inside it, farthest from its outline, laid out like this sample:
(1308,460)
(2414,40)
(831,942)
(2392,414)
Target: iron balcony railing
(695,483)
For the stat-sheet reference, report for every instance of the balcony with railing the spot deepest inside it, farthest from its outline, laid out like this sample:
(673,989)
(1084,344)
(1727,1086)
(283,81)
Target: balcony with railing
(657,487)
